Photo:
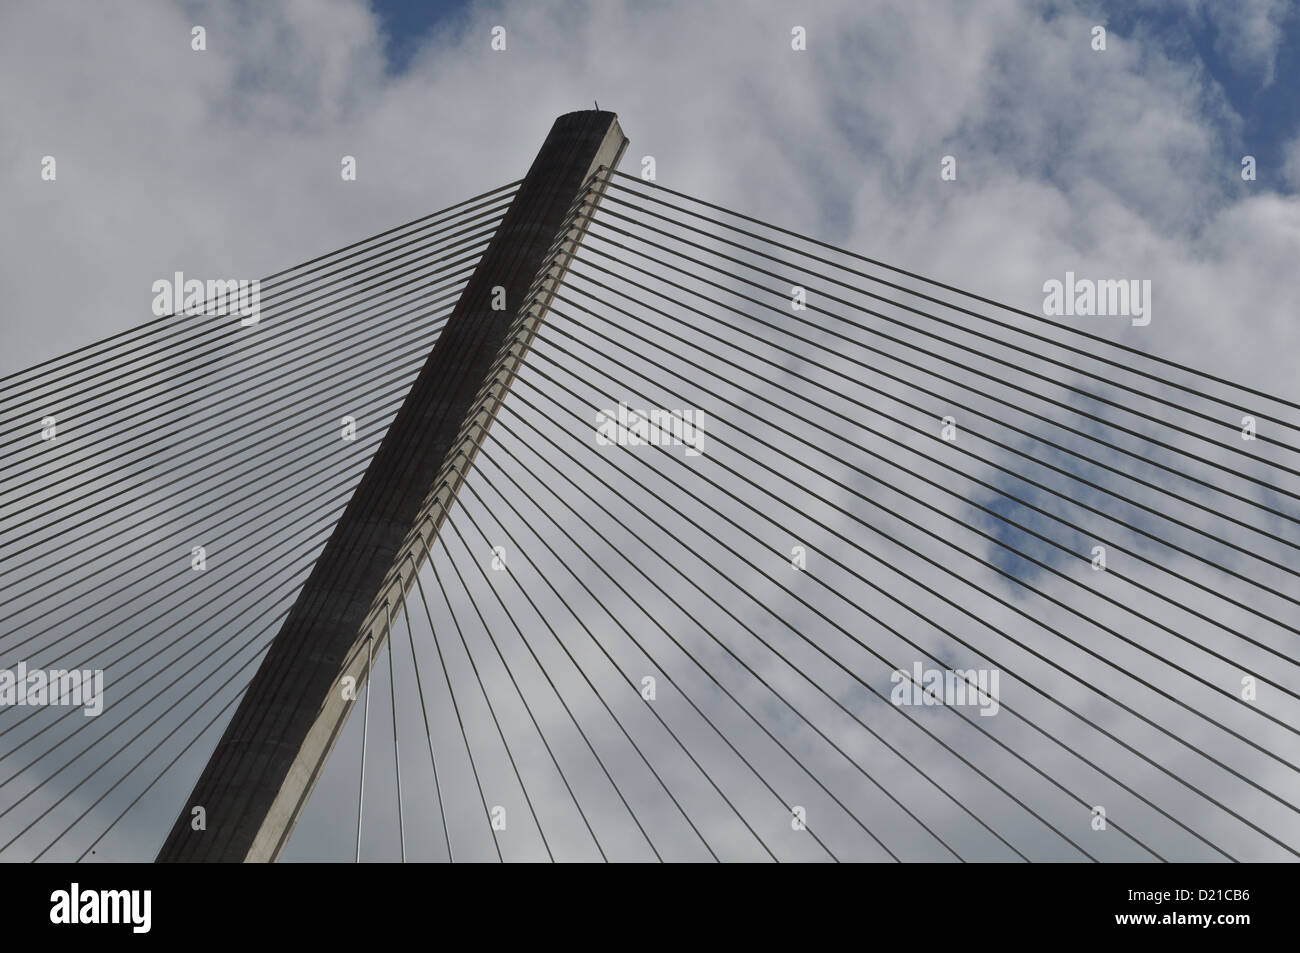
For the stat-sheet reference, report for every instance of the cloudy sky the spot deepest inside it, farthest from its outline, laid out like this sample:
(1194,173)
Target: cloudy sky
(1117,163)
(1065,155)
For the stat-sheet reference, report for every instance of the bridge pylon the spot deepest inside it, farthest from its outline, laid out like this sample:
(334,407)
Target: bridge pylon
(264,768)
